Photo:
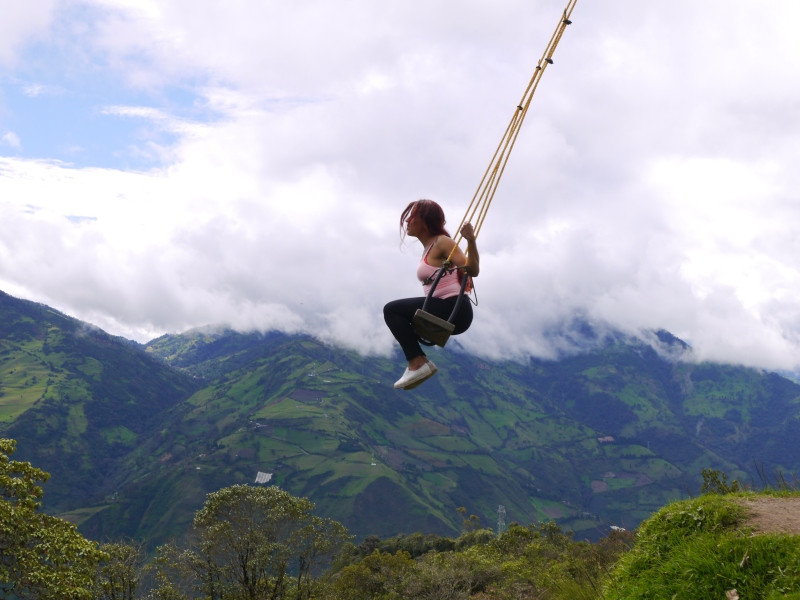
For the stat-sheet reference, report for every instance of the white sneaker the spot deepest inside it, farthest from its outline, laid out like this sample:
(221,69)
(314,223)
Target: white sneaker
(412,379)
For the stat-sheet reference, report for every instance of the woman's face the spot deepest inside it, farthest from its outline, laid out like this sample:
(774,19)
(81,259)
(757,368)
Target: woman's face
(414,226)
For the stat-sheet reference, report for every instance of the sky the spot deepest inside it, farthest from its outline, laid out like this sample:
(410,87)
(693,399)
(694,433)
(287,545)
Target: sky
(171,164)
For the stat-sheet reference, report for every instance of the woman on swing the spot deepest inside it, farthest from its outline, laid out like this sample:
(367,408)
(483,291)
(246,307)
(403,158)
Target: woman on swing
(424,220)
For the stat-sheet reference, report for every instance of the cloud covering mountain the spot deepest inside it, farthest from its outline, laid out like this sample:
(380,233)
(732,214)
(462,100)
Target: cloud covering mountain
(171,164)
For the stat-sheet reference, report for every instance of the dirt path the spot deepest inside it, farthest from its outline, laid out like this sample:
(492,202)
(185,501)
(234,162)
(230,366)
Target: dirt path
(774,515)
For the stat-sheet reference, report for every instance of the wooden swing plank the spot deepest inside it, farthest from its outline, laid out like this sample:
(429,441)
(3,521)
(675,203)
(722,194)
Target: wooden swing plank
(431,328)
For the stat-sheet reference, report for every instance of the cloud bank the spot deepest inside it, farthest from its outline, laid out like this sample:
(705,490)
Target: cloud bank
(246,164)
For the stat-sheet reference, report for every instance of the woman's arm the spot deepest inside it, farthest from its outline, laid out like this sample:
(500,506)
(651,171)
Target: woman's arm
(473,258)
(445,245)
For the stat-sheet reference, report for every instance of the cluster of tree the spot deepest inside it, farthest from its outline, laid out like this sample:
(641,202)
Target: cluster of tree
(535,561)
(40,556)
(252,542)
(247,542)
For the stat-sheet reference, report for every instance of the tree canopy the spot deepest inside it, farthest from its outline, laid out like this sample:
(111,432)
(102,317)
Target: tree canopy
(253,542)
(41,556)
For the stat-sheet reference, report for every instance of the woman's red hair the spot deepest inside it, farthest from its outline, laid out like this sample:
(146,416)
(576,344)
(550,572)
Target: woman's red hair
(429,212)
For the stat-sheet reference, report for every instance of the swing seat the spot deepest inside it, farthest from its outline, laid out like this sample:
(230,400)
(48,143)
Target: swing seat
(431,328)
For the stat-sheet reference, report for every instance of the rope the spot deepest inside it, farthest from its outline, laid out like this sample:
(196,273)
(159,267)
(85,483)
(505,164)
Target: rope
(482,200)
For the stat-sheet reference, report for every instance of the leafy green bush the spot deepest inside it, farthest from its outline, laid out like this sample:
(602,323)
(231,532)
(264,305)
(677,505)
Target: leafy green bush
(716,482)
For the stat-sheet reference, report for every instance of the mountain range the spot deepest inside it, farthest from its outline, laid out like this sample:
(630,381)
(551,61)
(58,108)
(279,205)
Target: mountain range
(135,435)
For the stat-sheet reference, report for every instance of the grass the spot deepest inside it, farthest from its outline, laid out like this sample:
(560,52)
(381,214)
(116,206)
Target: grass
(91,367)
(548,510)
(701,548)
(76,420)
(119,435)
(450,443)
(24,381)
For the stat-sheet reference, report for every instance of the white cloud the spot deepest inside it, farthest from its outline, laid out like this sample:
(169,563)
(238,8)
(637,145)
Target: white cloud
(11,140)
(21,23)
(653,185)
(35,90)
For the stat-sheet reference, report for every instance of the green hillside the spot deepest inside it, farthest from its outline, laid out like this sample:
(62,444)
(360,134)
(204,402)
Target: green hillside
(136,436)
(606,437)
(77,399)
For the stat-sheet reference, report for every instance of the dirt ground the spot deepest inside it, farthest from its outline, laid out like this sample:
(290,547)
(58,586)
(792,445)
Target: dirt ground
(774,515)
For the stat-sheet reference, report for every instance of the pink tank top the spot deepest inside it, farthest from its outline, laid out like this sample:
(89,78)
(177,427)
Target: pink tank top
(448,285)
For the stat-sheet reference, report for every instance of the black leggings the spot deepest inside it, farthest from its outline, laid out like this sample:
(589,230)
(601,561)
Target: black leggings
(399,313)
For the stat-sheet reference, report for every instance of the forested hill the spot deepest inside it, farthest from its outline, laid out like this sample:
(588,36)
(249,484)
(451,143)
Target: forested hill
(135,436)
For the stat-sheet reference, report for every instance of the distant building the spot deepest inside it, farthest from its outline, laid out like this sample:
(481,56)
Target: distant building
(263,477)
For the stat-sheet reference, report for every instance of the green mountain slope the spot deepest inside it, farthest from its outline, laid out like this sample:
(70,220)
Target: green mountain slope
(603,437)
(77,399)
